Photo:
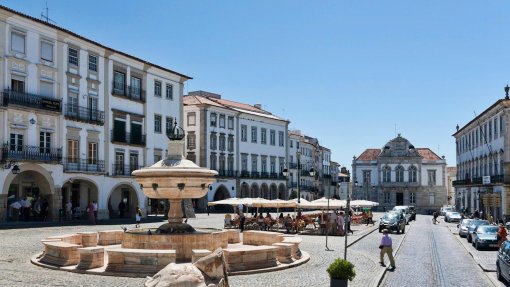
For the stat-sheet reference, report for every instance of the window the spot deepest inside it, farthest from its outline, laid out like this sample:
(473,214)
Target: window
(399,174)
(157,123)
(46,89)
(44,142)
(169,92)
(222,163)
(412,174)
(119,83)
(272,137)
(366,178)
(191,140)
(254,162)
(412,198)
(222,142)
(253,134)
(72,151)
(72,57)
(133,161)
(136,88)
(46,51)
(213,161)
(244,133)
(213,140)
(213,119)
(432,198)
(119,163)
(169,123)
(500,125)
(263,136)
(18,84)
(387,197)
(222,121)
(280,138)
(432,177)
(386,174)
(230,143)
(297,145)
(273,165)
(191,156)
(16,143)
(18,42)
(157,88)
(157,158)
(72,103)
(230,163)
(92,153)
(291,143)
(244,162)
(263,167)
(93,63)
(490,130)
(230,123)
(191,119)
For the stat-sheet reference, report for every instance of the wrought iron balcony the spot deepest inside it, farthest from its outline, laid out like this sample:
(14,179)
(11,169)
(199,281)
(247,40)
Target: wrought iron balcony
(293,165)
(132,93)
(31,153)
(83,114)
(255,174)
(245,173)
(83,165)
(227,173)
(264,174)
(123,170)
(127,138)
(499,178)
(10,97)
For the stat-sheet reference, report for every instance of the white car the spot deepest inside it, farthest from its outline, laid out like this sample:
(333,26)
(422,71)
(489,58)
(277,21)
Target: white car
(452,216)
(445,209)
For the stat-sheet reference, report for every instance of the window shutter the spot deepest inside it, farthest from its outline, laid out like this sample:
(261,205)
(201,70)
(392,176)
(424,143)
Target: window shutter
(18,42)
(47,51)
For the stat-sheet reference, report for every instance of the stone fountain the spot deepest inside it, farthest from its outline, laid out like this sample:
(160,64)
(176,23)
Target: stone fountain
(175,178)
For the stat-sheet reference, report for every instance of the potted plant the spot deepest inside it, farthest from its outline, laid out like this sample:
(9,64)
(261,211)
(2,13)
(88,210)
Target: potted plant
(340,271)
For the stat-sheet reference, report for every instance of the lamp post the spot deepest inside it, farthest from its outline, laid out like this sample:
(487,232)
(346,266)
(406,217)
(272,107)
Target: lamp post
(348,217)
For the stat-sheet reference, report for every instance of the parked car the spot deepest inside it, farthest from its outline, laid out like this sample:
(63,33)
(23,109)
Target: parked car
(463,226)
(404,209)
(445,209)
(393,221)
(485,236)
(452,216)
(503,262)
(471,228)
(412,210)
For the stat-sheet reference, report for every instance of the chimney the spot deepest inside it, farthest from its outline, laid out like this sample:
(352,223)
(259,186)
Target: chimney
(258,106)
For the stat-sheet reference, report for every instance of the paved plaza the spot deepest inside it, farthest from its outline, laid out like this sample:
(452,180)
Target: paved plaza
(427,255)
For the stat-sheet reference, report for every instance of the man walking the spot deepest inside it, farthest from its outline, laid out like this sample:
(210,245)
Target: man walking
(386,248)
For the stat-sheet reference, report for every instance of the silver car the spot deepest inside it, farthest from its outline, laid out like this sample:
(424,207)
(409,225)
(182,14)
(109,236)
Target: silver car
(452,216)
(463,227)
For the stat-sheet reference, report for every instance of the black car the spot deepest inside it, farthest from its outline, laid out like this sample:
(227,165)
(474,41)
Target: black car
(503,262)
(393,221)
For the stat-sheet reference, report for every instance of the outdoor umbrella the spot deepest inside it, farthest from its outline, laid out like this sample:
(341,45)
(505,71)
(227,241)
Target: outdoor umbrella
(363,203)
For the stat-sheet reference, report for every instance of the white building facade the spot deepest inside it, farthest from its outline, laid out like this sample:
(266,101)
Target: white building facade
(400,174)
(482,162)
(78,117)
(245,144)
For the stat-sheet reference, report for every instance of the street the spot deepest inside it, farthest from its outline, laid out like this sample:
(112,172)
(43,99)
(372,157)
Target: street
(426,255)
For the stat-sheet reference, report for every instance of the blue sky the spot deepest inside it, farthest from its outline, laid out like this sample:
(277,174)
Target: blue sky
(346,72)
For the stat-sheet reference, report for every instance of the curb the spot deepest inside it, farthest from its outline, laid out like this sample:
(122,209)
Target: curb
(383,272)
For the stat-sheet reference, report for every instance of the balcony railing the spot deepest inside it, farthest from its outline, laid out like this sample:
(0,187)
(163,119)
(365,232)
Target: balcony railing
(10,97)
(255,174)
(264,174)
(478,180)
(31,153)
(245,173)
(128,138)
(132,93)
(227,173)
(123,170)
(83,165)
(83,114)
(293,165)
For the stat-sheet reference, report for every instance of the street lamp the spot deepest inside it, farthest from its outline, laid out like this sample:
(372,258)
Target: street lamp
(348,217)
(507,89)
(12,164)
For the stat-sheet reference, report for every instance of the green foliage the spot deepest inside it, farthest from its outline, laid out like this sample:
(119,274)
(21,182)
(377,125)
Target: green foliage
(341,269)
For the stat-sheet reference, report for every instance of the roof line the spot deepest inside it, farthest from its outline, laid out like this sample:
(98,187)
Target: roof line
(91,41)
(479,116)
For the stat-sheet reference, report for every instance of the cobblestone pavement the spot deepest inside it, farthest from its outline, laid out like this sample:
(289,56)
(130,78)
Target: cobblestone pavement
(431,256)
(19,245)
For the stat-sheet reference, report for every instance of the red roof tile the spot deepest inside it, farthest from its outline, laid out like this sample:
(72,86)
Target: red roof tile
(428,154)
(369,154)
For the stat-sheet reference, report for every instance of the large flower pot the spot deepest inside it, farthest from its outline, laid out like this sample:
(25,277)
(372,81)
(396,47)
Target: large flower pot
(338,282)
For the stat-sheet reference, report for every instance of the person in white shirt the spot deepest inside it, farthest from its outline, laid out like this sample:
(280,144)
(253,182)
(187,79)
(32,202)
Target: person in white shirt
(94,203)
(69,210)
(333,223)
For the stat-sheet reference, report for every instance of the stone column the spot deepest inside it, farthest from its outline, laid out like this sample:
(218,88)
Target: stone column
(3,207)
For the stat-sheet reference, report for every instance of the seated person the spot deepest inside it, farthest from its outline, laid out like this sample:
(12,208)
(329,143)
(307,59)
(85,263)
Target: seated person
(288,222)
(267,221)
(260,221)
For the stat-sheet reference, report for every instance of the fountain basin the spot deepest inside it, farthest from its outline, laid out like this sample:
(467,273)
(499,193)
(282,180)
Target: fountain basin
(183,244)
